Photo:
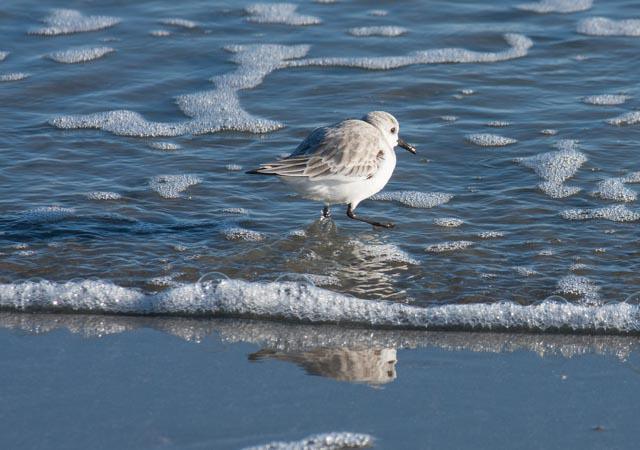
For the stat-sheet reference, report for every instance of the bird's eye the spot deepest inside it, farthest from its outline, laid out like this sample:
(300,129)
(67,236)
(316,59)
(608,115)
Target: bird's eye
(393,130)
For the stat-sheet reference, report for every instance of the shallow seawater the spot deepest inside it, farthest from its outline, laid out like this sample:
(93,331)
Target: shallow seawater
(126,129)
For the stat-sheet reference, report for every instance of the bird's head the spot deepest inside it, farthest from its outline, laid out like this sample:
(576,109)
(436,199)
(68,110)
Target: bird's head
(389,127)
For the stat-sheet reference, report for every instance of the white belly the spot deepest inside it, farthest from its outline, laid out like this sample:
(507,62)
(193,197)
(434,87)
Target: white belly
(344,190)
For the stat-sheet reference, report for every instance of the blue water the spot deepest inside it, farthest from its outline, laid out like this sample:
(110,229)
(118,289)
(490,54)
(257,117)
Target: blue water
(143,238)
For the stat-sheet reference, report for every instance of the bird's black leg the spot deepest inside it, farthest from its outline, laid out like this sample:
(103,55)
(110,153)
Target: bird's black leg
(351,215)
(326,213)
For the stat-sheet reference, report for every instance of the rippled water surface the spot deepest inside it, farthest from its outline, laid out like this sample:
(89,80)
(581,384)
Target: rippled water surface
(126,129)
(130,166)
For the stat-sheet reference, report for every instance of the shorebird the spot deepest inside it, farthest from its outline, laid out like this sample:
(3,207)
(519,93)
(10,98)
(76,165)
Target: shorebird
(343,163)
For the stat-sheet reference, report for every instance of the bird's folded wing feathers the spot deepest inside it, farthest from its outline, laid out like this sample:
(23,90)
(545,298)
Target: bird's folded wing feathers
(351,149)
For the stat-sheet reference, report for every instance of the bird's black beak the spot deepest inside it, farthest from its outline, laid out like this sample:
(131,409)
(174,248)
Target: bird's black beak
(402,143)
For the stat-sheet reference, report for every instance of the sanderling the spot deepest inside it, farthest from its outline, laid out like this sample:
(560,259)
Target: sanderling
(344,163)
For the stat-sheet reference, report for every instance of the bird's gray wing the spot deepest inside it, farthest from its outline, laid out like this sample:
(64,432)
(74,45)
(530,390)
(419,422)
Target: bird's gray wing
(351,149)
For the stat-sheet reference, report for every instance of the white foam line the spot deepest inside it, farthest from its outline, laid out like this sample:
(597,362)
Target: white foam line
(325,441)
(309,304)
(602,26)
(556,6)
(519,47)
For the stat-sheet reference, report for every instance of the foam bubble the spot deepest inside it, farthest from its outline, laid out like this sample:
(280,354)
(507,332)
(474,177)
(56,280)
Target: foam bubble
(66,21)
(176,22)
(519,47)
(489,140)
(415,199)
(556,189)
(448,246)
(80,54)
(449,118)
(602,26)
(629,118)
(165,281)
(498,124)
(233,167)
(160,33)
(47,214)
(556,167)
(14,76)
(580,286)
(549,132)
(605,99)
(614,189)
(238,211)
(449,222)
(103,195)
(559,6)
(385,31)
(170,186)
(490,234)
(305,303)
(615,213)
(323,280)
(467,91)
(283,13)
(164,145)
(633,177)
(525,271)
(378,12)
(324,441)
(3,55)
(237,233)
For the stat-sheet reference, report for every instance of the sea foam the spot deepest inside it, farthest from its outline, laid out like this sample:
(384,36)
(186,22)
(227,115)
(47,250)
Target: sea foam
(325,441)
(282,13)
(614,189)
(80,54)
(301,302)
(415,199)
(629,118)
(615,213)
(602,26)
(14,76)
(490,140)
(605,99)
(171,186)
(558,6)
(519,47)
(384,31)
(209,111)
(66,21)
(556,167)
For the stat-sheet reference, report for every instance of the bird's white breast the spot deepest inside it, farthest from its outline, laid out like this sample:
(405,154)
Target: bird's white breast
(345,190)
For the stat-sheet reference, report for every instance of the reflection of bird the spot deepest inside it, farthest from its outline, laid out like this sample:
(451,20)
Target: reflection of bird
(344,163)
(371,366)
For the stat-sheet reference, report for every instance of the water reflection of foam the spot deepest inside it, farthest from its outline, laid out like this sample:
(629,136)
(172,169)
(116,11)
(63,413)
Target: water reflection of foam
(287,338)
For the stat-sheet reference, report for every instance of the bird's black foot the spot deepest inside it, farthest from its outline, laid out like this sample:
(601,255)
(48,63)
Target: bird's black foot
(351,215)
(326,212)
